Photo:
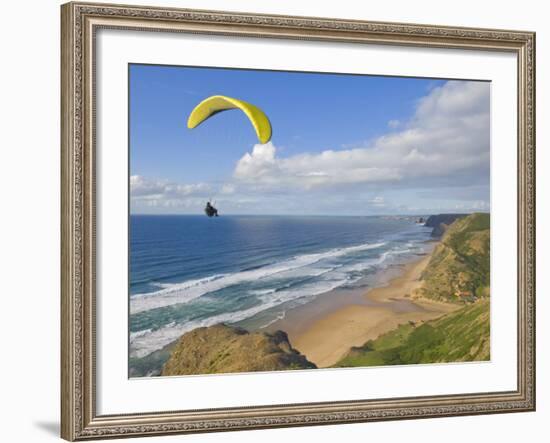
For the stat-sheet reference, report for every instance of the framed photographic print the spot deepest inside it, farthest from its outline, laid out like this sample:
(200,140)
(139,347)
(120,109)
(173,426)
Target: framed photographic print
(282,221)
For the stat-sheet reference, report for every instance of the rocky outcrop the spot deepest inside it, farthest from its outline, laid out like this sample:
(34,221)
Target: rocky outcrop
(458,270)
(224,349)
(441,222)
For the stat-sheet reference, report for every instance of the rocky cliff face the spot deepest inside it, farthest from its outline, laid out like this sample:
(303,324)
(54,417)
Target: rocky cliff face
(459,268)
(224,349)
(441,222)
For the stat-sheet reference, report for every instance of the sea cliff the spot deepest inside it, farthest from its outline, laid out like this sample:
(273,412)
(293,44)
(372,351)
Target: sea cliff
(458,270)
(441,222)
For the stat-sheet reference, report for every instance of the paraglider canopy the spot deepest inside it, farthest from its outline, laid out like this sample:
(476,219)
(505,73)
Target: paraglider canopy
(218,103)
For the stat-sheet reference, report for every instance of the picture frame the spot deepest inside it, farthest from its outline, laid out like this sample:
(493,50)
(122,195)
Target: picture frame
(81,22)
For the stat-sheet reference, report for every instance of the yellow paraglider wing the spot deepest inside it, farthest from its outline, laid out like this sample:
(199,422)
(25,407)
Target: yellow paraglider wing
(217,103)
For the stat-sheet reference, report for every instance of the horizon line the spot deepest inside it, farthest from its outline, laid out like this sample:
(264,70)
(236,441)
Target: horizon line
(319,215)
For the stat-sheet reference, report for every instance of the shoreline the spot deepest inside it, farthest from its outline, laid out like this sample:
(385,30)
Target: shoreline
(340,322)
(325,329)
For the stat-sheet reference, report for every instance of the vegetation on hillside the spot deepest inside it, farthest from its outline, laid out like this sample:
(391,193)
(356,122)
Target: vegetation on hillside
(463,335)
(459,268)
(223,349)
(458,272)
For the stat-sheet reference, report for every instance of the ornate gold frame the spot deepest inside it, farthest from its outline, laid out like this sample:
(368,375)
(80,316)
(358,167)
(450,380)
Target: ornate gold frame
(80,21)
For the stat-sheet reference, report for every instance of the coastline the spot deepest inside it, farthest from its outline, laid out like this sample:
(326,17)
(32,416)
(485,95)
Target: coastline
(378,319)
(325,329)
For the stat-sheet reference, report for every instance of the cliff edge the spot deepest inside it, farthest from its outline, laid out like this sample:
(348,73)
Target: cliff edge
(224,349)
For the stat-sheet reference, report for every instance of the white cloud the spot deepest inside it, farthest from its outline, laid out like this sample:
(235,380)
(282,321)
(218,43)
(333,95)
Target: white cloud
(228,188)
(154,193)
(261,167)
(141,187)
(392,124)
(261,162)
(447,137)
(377,201)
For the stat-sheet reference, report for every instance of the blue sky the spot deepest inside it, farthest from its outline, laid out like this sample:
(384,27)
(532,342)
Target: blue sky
(339,141)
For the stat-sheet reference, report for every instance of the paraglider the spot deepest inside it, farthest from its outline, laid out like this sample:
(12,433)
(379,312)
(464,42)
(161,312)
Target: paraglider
(218,103)
(210,210)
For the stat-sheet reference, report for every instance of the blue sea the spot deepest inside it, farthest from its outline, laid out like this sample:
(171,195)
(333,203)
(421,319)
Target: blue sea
(188,271)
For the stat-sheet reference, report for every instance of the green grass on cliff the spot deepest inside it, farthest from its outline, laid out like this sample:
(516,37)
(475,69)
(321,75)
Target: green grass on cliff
(458,272)
(463,335)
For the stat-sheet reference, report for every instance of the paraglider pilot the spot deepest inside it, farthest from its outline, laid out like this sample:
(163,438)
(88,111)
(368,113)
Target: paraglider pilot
(210,210)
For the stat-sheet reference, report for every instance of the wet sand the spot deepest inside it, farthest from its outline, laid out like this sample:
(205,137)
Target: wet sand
(325,329)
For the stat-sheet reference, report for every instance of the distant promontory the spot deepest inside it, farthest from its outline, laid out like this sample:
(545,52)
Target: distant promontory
(441,222)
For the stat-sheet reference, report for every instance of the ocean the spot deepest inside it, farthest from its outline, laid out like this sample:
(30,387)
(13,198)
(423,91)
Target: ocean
(189,271)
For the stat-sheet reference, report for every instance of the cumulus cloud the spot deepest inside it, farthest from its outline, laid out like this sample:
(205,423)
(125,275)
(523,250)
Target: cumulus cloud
(448,137)
(260,163)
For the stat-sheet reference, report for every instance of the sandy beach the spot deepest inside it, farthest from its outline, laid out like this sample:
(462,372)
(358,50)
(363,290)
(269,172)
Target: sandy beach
(325,329)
